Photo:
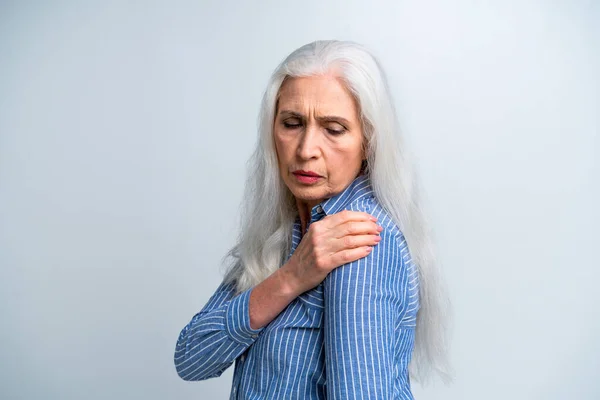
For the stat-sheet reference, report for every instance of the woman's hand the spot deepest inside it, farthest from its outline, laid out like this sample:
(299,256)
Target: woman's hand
(333,241)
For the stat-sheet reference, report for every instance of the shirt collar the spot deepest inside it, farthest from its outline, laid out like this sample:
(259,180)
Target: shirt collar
(359,187)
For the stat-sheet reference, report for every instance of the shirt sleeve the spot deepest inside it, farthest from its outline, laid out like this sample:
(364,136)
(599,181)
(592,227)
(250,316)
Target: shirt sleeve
(215,336)
(364,301)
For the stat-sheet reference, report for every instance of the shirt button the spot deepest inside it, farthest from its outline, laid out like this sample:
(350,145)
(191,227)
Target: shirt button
(319,209)
(254,336)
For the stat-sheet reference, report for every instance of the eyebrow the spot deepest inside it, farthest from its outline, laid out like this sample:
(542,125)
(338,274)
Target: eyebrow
(324,118)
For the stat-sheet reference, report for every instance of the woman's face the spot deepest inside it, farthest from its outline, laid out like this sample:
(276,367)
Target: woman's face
(318,137)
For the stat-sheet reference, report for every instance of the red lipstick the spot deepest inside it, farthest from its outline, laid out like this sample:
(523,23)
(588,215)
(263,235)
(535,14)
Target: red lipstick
(307,177)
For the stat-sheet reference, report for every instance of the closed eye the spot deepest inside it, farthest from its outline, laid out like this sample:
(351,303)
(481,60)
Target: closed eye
(290,125)
(335,131)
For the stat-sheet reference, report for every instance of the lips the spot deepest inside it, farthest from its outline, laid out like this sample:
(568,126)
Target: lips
(306,173)
(306,177)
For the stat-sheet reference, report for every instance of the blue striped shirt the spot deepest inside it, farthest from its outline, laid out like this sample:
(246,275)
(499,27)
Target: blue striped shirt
(350,337)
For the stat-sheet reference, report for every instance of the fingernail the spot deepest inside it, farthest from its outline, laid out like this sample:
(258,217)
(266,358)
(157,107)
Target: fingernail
(379,228)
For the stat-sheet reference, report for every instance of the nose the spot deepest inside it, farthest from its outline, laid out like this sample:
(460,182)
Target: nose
(309,145)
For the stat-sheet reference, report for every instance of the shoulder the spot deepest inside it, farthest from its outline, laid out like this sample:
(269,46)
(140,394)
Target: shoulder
(392,254)
(371,205)
(387,272)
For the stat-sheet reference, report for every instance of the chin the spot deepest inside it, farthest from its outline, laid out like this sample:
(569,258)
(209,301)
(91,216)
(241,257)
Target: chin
(308,194)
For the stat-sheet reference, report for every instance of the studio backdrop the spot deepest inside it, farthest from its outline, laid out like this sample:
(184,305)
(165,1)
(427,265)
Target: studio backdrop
(124,133)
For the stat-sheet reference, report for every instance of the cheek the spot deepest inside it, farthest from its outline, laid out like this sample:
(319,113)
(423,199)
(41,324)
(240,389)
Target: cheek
(277,142)
(280,150)
(357,152)
(347,152)
(343,160)
(283,146)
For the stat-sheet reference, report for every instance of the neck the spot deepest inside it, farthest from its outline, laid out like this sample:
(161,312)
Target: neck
(304,210)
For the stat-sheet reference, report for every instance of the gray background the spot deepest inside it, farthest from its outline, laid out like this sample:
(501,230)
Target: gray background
(124,132)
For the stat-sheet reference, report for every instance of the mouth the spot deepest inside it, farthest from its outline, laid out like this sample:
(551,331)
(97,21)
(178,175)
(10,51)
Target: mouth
(306,177)
(306,173)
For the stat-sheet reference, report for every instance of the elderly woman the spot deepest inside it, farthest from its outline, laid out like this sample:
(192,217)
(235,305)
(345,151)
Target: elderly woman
(332,282)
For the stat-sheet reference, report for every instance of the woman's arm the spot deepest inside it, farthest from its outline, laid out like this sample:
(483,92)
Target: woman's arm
(227,326)
(364,300)
(215,336)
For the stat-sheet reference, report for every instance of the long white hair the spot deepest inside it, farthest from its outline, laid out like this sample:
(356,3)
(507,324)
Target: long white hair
(268,208)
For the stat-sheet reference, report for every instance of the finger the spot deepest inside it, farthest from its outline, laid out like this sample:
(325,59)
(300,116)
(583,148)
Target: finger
(347,215)
(357,228)
(349,255)
(354,241)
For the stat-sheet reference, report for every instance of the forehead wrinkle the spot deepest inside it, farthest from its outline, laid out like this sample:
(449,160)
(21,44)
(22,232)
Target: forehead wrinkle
(324,111)
(303,100)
